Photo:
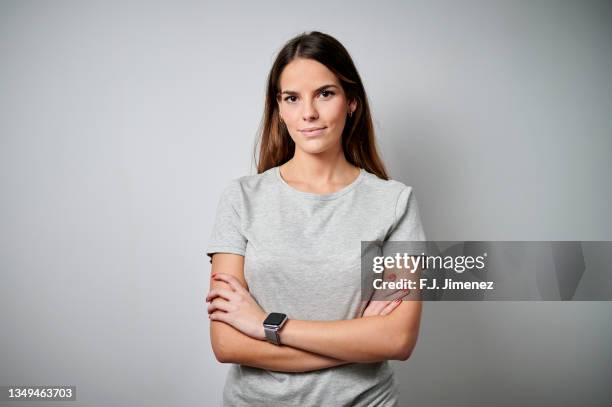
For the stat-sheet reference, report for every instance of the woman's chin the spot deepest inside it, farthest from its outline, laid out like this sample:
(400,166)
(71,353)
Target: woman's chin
(313,147)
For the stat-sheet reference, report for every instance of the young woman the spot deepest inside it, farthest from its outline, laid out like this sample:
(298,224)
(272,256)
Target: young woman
(288,241)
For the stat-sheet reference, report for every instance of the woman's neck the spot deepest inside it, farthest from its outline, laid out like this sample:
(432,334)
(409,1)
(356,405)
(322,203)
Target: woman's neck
(308,172)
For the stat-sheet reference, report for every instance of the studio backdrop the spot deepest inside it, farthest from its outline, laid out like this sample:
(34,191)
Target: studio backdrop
(122,121)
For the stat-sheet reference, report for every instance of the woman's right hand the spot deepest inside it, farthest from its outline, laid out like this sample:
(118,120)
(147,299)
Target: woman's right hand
(381,307)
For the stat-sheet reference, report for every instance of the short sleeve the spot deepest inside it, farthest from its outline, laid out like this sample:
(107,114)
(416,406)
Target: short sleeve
(227,235)
(408,226)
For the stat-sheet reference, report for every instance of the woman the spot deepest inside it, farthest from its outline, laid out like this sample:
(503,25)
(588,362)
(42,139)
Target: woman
(288,241)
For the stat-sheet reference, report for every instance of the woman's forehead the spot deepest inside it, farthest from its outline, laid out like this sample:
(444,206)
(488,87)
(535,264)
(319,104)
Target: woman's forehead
(306,74)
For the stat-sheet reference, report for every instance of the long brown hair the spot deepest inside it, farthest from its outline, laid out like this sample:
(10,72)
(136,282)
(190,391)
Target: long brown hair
(358,139)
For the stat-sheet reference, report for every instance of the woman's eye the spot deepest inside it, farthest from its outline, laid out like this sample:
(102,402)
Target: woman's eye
(325,94)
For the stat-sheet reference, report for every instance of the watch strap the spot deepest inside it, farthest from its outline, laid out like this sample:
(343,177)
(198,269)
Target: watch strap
(272,335)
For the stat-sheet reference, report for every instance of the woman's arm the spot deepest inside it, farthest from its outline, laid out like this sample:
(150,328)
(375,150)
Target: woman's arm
(388,336)
(232,346)
(370,339)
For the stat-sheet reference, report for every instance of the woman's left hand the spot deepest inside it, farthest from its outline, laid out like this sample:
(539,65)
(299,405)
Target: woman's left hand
(236,307)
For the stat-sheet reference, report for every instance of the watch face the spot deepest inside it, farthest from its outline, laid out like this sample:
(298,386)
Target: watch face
(275,318)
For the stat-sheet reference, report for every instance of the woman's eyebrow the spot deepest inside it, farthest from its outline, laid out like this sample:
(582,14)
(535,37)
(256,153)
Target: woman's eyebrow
(291,92)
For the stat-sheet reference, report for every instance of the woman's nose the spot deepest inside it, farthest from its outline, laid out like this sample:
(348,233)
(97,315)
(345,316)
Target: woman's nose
(309,112)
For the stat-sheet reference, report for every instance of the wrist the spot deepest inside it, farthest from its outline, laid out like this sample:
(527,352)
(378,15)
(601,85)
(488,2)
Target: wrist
(261,333)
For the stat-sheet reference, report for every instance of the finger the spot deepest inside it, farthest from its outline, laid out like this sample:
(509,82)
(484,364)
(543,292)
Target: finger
(391,306)
(220,292)
(231,280)
(219,316)
(377,306)
(218,304)
(374,308)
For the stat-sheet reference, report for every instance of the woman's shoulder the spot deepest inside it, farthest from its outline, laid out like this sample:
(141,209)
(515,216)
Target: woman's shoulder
(390,187)
(249,183)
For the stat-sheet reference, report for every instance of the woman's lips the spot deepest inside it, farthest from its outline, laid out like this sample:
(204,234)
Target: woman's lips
(312,133)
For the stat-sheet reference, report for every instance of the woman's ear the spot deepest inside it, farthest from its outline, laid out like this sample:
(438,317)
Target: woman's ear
(278,103)
(353,106)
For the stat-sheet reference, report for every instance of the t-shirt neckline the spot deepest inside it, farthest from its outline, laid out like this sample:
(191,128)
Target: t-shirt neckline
(324,197)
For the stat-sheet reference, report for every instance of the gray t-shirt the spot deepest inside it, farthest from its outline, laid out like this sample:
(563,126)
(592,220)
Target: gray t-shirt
(302,257)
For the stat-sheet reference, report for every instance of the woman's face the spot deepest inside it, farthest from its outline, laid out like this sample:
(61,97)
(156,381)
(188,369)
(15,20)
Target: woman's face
(311,97)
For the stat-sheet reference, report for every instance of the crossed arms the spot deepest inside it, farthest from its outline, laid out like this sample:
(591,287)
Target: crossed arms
(236,329)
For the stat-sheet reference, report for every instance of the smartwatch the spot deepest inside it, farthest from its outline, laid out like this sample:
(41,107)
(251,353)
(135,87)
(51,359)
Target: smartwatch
(273,323)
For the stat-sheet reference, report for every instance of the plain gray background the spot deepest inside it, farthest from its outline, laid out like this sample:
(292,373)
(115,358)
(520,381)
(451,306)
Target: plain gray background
(122,121)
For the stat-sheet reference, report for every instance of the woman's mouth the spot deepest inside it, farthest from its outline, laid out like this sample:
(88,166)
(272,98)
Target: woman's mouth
(314,132)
